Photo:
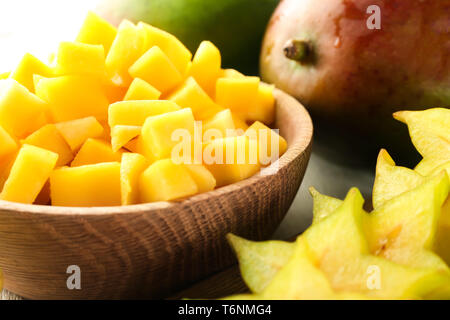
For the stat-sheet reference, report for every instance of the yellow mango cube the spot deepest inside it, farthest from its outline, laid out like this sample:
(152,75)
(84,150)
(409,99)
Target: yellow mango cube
(7,143)
(203,178)
(51,58)
(121,135)
(156,68)
(36,79)
(164,181)
(160,133)
(80,58)
(134,113)
(239,123)
(114,92)
(4,75)
(95,151)
(221,122)
(76,132)
(73,97)
(43,198)
(231,159)
(131,168)
(96,30)
(48,137)
(126,48)
(205,68)
(237,93)
(141,90)
(30,171)
(191,95)
(230,73)
(133,145)
(271,145)
(186,74)
(27,67)
(6,163)
(19,109)
(106,135)
(86,186)
(263,109)
(175,50)
(137,145)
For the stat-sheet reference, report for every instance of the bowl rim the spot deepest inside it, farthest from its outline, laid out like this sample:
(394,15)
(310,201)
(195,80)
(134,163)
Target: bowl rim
(296,148)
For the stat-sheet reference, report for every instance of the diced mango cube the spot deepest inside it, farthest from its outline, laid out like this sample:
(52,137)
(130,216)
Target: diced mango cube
(175,50)
(6,164)
(239,123)
(186,74)
(51,58)
(76,132)
(156,68)
(19,109)
(30,171)
(95,151)
(191,95)
(223,122)
(264,107)
(121,135)
(114,92)
(7,143)
(36,79)
(141,90)
(231,159)
(203,178)
(126,48)
(43,198)
(48,137)
(237,93)
(86,186)
(106,135)
(80,58)
(270,144)
(206,67)
(137,145)
(27,67)
(231,73)
(134,113)
(160,133)
(133,145)
(96,30)
(164,181)
(4,75)
(131,168)
(73,97)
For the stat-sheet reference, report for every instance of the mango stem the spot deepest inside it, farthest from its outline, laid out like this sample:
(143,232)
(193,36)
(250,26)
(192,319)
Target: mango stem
(298,50)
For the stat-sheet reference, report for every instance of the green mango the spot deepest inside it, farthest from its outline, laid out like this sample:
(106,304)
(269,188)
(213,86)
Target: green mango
(236,27)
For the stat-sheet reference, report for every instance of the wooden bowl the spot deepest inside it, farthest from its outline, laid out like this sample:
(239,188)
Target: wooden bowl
(149,250)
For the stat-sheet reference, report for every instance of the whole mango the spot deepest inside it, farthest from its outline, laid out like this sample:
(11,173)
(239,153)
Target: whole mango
(355,62)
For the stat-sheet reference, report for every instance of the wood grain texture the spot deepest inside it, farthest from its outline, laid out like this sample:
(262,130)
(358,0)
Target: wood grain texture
(149,250)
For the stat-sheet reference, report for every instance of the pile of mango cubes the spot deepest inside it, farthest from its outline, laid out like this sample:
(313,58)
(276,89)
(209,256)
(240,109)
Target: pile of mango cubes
(93,126)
